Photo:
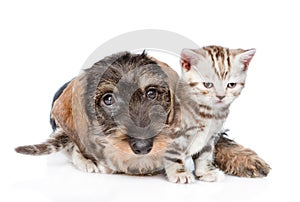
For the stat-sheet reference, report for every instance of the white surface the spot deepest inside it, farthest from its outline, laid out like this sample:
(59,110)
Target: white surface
(42,45)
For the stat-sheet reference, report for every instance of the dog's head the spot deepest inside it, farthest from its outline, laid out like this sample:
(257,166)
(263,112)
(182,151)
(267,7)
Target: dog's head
(132,101)
(124,101)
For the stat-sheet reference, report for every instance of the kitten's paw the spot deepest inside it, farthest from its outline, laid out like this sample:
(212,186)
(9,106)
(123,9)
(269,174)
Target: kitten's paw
(182,178)
(211,176)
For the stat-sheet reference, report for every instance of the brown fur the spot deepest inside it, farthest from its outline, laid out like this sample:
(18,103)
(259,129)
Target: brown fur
(204,92)
(193,84)
(234,159)
(62,111)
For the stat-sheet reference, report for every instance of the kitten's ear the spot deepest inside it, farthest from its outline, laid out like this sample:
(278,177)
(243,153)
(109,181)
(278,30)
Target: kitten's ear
(245,57)
(189,57)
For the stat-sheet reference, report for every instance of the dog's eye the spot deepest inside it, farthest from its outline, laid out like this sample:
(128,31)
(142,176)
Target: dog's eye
(108,99)
(151,94)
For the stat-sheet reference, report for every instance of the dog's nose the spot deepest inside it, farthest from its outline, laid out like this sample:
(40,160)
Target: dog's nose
(141,146)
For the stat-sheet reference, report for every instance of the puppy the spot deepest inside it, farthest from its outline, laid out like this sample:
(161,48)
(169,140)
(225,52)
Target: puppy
(118,116)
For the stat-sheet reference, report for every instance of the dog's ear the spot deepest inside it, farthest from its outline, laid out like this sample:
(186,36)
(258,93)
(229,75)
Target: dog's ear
(69,111)
(79,106)
(62,110)
(172,81)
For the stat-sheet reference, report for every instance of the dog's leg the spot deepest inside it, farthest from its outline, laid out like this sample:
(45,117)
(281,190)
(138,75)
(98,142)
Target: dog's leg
(81,162)
(234,159)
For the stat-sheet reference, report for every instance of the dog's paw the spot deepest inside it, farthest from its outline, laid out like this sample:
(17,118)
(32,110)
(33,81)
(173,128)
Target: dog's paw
(82,163)
(214,175)
(182,178)
(86,165)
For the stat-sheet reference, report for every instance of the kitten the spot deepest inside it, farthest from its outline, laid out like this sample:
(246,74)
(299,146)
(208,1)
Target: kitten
(212,77)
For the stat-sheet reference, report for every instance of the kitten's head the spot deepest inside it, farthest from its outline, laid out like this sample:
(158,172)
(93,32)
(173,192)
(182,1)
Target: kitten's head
(216,72)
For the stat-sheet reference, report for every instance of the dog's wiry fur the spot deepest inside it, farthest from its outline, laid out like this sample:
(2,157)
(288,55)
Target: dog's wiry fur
(234,159)
(101,138)
(58,141)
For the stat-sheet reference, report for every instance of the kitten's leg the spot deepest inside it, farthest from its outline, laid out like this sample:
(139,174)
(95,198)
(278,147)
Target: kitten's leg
(174,164)
(234,159)
(204,168)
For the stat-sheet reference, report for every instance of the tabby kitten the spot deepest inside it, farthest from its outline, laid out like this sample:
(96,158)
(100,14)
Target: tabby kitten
(212,77)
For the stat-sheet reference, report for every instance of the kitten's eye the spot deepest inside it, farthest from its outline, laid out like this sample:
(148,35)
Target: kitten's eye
(151,94)
(208,84)
(231,85)
(108,99)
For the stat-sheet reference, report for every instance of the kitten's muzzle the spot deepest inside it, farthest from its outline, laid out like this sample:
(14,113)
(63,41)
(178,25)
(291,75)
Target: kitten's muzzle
(141,146)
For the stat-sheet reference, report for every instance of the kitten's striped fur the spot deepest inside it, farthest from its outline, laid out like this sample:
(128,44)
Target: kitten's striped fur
(212,77)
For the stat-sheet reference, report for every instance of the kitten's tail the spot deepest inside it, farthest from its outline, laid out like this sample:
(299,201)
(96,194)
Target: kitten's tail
(56,143)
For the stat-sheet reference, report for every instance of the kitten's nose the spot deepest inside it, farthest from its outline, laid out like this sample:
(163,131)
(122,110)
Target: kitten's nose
(220,97)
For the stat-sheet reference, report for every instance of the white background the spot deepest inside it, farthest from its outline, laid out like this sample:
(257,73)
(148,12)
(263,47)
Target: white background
(44,44)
